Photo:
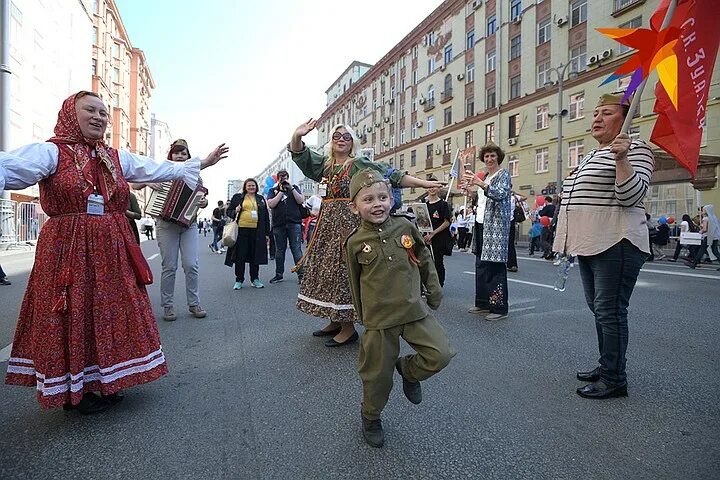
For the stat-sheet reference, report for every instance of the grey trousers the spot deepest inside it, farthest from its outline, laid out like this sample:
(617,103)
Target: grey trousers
(174,239)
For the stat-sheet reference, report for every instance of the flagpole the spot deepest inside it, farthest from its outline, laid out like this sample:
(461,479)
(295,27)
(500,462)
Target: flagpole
(638,93)
(457,154)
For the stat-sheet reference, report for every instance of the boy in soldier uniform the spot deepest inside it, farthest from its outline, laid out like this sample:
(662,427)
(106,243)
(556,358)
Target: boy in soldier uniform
(387,261)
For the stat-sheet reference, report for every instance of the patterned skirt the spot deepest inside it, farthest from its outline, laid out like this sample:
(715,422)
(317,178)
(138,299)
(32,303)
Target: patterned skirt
(325,288)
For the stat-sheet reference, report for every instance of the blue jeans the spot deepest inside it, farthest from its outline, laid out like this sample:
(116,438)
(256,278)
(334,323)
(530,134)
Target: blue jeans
(608,280)
(217,235)
(292,233)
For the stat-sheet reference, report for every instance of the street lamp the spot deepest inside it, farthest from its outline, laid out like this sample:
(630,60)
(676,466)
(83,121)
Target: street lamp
(560,71)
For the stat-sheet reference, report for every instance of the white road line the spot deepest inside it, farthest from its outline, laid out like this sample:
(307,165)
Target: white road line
(522,281)
(5,353)
(681,274)
(153,257)
(516,310)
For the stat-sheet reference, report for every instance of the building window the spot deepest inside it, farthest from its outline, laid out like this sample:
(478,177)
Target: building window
(431,65)
(470,75)
(413,105)
(514,165)
(116,75)
(469,140)
(576,150)
(578,58)
(116,50)
(470,39)
(515,9)
(578,12)
(541,160)
(515,47)
(414,77)
(514,87)
(634,23)
(95,36)
(415,52)
(447,148)
(490,61)
(402,161)
(542,119)
(448,54)
(543,74)
(491,25)
(447,87)
(430,124)
(490,98)
(490,133)
(414,132)
(543,32)
(577,102)
(620,4)
(447,116)
(429,152)
(514,125)
(392,141)
(403,138)
(413,158)
(431,94)
(94,66)
(469,107)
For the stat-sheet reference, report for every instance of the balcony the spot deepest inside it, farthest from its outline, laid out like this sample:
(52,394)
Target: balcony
(446,158)
(429,105)
(429,163)
(446,96)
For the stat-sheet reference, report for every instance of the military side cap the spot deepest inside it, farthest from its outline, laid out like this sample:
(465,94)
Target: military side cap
(178,143)
(364,178)
(613,99)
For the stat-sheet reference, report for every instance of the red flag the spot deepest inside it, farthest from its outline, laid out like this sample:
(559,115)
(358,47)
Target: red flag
(679,132)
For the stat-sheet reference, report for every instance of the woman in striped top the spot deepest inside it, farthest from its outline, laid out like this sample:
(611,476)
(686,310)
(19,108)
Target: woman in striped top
(602,221)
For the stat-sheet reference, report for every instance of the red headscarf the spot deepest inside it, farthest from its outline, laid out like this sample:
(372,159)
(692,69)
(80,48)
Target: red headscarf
(67,131)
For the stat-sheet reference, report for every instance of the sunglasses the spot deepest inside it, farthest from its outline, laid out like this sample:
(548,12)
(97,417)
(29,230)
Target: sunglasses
(345,136)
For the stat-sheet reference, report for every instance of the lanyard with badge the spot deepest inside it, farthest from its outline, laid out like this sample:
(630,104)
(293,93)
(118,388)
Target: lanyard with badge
(95,201)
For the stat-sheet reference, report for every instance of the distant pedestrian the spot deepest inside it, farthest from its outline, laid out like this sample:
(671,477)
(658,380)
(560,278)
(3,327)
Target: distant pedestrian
(439,239)
(218,223)
(285,200)
(710,231)
(148,225)
(3,278)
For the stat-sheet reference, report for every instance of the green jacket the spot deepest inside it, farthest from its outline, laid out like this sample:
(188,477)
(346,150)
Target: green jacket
(312,165)
(385,283)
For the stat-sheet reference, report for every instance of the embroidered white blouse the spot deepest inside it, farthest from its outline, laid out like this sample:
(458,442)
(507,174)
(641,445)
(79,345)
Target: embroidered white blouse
(28,165)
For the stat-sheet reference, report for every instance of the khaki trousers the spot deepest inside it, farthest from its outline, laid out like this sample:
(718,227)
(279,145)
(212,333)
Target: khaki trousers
(380,348)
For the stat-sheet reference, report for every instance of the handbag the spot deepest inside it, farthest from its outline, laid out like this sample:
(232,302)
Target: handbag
(518,214)
(143,274)
(230,234)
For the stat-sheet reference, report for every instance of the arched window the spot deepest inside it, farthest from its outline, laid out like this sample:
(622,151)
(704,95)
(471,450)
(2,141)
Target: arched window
(448,84)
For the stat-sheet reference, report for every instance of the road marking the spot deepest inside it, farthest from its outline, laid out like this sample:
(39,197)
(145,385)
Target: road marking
(153,257)
(522,281)
(516,310)
(5,353)
(681,274)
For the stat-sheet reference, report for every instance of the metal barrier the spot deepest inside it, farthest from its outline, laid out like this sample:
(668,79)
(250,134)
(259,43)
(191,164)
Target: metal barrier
(30,219)
(8,233)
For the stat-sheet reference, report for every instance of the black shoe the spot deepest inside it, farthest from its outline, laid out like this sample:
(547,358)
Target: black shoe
(277,278)
(672,260)
(328,333)
(412,390)
(373,432)
(5,281)
(89,404)
(691,264)
(590,376)
(600,391)
(351,339)
(114,398)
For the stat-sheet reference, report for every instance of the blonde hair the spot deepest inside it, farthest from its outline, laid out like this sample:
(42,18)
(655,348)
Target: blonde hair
(330,153)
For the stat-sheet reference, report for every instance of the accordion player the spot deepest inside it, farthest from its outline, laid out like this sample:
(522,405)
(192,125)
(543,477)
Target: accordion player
(175,202)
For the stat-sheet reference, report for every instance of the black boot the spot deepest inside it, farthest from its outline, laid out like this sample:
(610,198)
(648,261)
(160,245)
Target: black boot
(373,432)
(89,404)
(412,390)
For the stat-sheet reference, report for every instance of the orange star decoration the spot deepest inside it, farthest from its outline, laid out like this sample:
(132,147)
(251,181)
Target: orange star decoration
(654,51)
(408,243)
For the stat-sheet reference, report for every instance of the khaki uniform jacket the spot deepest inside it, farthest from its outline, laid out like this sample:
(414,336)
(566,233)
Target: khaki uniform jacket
(385,284)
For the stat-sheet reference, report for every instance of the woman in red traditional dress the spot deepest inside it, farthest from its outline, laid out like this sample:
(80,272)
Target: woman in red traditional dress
(86,323)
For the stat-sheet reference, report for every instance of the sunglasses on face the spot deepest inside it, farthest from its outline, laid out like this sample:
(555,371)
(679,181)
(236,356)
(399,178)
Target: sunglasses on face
(345,136)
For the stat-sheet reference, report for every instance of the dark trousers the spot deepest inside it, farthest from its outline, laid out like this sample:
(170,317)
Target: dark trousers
(692,250)
(491,290)
(2,273)
(217,235)
(608,280)
(462,237)
(700,253)
(512,254)
(289,233)
(534,245)
(438,258)
(240,271)
(271,246)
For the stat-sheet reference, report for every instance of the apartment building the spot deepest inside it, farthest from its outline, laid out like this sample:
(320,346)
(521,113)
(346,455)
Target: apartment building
(351,75)
(122,78)
(478,71)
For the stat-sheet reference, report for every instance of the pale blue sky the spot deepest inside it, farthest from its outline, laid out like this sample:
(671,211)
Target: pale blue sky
(248,72)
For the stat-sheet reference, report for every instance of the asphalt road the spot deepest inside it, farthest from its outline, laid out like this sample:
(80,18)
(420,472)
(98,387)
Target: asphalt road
(251,394)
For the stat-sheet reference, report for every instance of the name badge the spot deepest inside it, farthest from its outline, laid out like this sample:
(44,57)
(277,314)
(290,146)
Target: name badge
(253,214)
(322,189)
(95,205)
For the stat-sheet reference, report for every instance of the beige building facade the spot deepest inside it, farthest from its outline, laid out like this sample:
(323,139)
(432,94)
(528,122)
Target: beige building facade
(487,70)
(122,78)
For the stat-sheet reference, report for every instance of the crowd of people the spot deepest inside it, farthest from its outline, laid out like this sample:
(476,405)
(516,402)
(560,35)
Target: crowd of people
(354,251)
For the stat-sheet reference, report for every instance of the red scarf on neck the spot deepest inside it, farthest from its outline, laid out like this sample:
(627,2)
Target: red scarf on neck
(67,131)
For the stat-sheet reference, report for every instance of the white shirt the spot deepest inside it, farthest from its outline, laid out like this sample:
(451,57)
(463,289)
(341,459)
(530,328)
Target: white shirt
(482,199)
(28,165)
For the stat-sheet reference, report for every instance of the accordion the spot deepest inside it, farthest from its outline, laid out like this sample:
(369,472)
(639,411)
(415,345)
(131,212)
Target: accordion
(175,202)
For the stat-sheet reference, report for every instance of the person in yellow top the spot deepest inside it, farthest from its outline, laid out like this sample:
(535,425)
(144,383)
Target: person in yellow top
(250,210)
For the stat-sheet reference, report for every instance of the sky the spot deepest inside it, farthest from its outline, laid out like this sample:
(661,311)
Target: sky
(247,73)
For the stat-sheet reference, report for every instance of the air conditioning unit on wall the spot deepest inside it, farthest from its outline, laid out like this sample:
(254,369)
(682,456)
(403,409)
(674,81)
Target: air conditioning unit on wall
(418,124)
(422,101)
(561,21)
(461,76)
(476,4)
(512,141)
